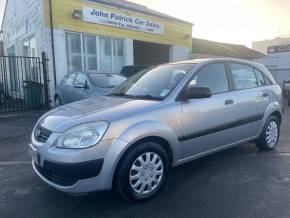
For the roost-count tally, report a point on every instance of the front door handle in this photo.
(229, 101)
(265, 95)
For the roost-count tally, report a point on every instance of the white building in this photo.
(277, 58)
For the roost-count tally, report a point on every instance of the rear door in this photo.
(251, 99)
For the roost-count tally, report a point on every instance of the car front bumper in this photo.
(78, 170)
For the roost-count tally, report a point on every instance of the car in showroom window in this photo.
(129, 139)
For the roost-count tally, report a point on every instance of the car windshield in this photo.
(106, 80)
(153, 84)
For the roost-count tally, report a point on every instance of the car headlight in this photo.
(83, 136)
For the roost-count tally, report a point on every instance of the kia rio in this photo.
(157, 119)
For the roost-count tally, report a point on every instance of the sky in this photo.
(232, 21)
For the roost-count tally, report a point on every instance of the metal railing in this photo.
(23, 83)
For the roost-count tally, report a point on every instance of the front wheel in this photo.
(270, 134)
(142, 172)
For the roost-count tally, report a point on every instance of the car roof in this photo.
(208, 60)
(100, 73)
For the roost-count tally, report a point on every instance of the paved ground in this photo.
(240, 182)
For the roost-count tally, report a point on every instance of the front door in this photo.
(80, 87)
(207, 122)
(66, 89)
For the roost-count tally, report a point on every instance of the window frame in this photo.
(232, 78)
(97, 37)
(265, 77)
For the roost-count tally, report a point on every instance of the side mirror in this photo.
(82, 86)
(79, 86)
(196, 93)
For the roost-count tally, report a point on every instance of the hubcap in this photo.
(146, 173)
(272, 134)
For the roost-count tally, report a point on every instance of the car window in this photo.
(80, 80)
(155, 83)
(106, 80)
(260, 78)
(69, 79)
(243, 76)
(213, 77)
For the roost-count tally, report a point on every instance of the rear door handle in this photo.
(229, 101)
(265, 95)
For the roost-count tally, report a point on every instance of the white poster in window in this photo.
(100, 16)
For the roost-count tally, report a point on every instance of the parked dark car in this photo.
(2, 95)
(286, 87)
(128, 71)
(78, 86)
(286, 90)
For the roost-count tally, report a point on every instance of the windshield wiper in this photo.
(146, 97)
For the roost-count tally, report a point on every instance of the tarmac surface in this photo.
(239, 182)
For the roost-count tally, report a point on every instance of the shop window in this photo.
(105, 54)
(74, 52)
(90, 53)
(118, 45)
(29, 47)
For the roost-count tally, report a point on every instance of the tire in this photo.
(147, 174)
(270, 134)
(57, 101)
(284, 93)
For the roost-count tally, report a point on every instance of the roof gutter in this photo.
(52, 41)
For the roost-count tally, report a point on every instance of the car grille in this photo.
(41, 134)
(54, 178)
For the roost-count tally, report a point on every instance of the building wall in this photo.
(179, 53)
(277, 63)
(262, 46)
(24, 19)
(176, 33)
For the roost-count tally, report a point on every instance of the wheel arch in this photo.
(278, 115)
(158, 139)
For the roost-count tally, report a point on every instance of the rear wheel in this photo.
(270, 134)
(142, 172)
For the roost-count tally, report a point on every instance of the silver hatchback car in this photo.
(157, 119)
